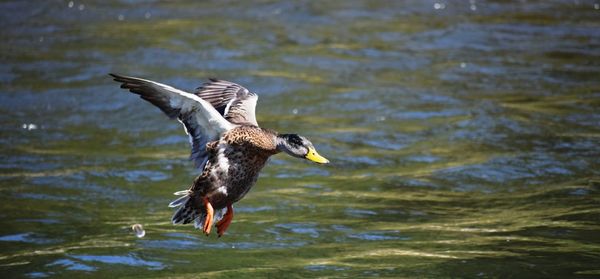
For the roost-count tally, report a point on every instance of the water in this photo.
(464, 138)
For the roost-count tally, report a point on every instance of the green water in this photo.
(464, 138)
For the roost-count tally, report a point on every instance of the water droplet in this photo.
(473, 7)
(295, 111)
(147, 15)
(29, 126)
(439, 6)
(463, 64)
(41, 39)
(138, 230)
(81, 7)
(71, 4)
(121, 17)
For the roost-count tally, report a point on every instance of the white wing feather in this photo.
(202, 122)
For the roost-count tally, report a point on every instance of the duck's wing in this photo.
(236, 103)
(201, 121)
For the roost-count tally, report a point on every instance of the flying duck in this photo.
(228, 146)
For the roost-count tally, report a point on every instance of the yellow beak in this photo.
(315, 157)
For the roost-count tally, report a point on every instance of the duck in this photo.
(228, 147)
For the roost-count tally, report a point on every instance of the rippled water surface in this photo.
(464, 138)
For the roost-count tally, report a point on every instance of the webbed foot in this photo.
(208, 221)
(223, 224)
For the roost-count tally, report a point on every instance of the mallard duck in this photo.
(228, 146)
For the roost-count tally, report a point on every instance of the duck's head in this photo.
(300, 147)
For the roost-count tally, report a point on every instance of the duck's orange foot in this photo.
(208, 221)
(224, 223)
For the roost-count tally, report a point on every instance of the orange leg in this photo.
(224, 223)
(208, 222)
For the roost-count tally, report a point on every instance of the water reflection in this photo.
(27, 238)
(463, 136)
(125, 260)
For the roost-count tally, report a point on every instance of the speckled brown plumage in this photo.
(247, 149)
(227, 178)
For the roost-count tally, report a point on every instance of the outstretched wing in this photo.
(236, 103)
(201, 121)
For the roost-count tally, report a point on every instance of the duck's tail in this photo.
(186, 213)
(189, 212)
